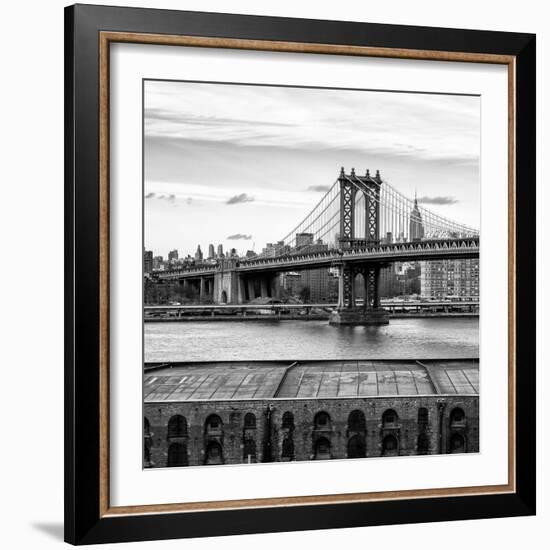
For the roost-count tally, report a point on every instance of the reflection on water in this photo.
(302, 340)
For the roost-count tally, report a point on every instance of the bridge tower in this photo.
(370, 312)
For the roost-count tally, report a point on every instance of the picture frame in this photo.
(90, 31)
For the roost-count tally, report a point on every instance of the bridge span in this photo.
(368, 224)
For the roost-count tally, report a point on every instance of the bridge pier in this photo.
(250, 285)
(347, 312)
(202, 290)
(275, 285)
(227, 288)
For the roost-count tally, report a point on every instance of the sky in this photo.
(241, 165)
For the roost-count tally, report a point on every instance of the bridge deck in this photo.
(322, 379)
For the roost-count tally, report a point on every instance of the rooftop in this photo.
(308, 380)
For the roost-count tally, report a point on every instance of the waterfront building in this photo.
(311, 285)
(274, 412)
(458, 279)
(317, 281)
(147, 261)
(291, 282)
(399, 279)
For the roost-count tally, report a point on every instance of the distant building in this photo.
(388, 239)
(250, 254)
(416, 227)
(388, 283)
(211, 253)
(291, 282)
(158, 262)
(147, 261)
(173, 255)
(311, 285)
(303, 239)
(220, 251)
(317, 280)
(272, 250)
(198, 254)
(450, 278)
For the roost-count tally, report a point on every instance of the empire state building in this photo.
(416, 227)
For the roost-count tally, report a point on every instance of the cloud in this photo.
(238, 237)
(437, 200)
(318, 188)
(237, 199)
(189, 200)
(177, 117)
(170, 198)
(430, 127)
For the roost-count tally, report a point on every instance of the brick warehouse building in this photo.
(232, 413)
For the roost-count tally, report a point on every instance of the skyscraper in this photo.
(157, 262)
(211, 253)
(198, 254)
(148, 261)
(303, 239)
(172, 255)
(416, 227)
(220, 251)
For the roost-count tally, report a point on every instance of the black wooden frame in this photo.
(83, 524)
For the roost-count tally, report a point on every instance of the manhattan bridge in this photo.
(361, 225)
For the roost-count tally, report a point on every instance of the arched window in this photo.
(322, 421)
(389, 446)
(213, 453)
(146, 427)
(389, 418)
(146, 441)
(357, 447)
(177, 454)
(458, 445)
(322, 449)
(288, 421)
(146, 453)
(249, 450)
(213, 425)
(356, 421)
(288, 449)
(423, 444)
(423, 418)
(177, 426)
(249, 421)
(457, 416)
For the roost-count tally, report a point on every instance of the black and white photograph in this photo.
(310, 273)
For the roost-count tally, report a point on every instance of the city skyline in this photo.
(336, 181)
(264, 171)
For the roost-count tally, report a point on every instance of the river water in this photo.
(428, 338)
